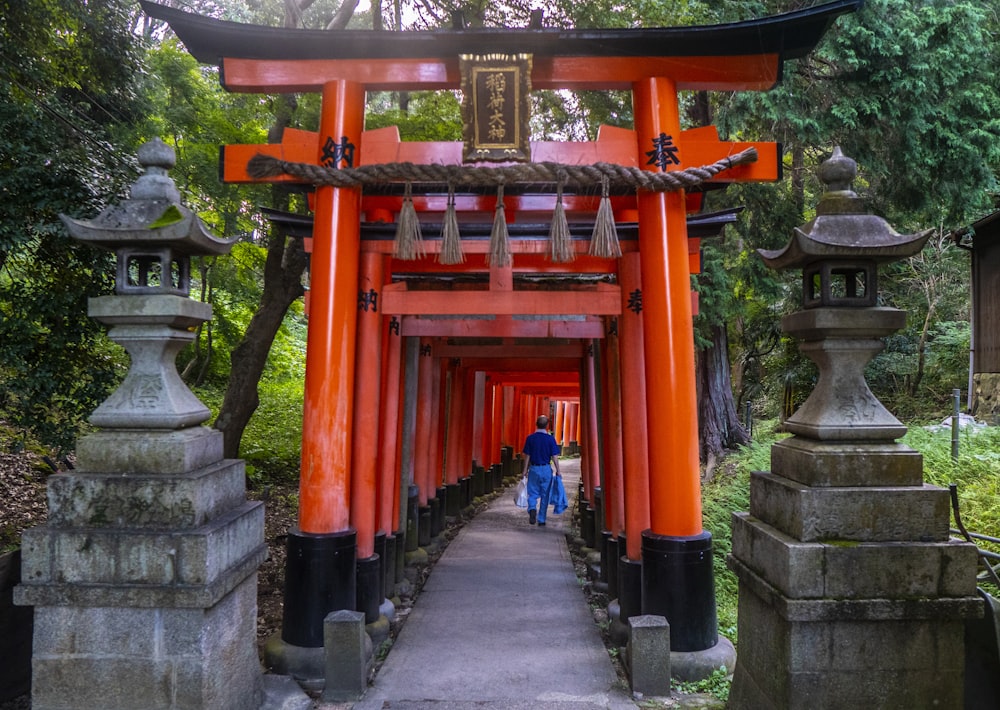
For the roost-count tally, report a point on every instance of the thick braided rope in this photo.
(573, 176)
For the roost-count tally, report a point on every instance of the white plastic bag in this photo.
(521, 493)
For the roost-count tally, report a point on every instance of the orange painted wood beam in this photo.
(527, 352)
(605, 299)
(416, 325)
(698, 147)
(755, 72)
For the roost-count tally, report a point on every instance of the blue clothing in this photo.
(540, 447)
(557, 496)
(539, 487)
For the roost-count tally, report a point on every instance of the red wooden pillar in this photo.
(558, 428)
(470, 413)
(510, 418)
(367, 395)
(320, 572)
(591, 438)
(635, 444)
(439, 414)
(614, 500)
(391, 383)
(454, 458)
(496, 440)
(677, 579)
(422, 444)
(324, 487)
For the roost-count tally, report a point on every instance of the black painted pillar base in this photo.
(424, 525)
(507, 461)
(465, 485)
(478, 481)
(453, 500)
(437, 516)
(587, 528)
(678, 583)
(602, 542)
(380, 552)
(629, 588)
(611, 546)
(369, 572)
(402, 545)
(320, 577)
(412, 519)
(389, 567)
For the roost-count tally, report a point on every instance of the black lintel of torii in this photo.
(789, 35)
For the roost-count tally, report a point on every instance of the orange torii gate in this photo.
(363, 300)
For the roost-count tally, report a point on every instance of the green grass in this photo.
(976, 473)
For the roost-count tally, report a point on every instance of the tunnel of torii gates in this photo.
(474, 350)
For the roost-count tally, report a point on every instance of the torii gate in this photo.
(353, 361)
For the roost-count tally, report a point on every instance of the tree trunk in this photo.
(719, 425)
(286, 261)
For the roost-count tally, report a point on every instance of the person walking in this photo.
(539, 449)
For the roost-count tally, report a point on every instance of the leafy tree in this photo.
(896, 86)
(68, 104)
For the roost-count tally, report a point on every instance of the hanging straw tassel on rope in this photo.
(604, 241)
(451, 240)
(499, 254)
(409, 244)
(559, 237)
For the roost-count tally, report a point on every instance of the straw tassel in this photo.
(451, 240)
(559, 232)
(499, 237)
(604, 242)
(409, 244)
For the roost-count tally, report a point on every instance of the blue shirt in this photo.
(540, 447)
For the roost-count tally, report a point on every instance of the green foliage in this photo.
(717, 684)
(273, 439)
(430, 116)
(68, 100)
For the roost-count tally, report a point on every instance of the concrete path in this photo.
(501, 623)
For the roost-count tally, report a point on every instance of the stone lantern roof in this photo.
(843, 228)
(840, 248)
(153, 235)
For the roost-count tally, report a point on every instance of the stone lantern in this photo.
(151, 316)
(852, 593)
(840, 325)
(144, 579)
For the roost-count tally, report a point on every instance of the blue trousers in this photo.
(539, 486)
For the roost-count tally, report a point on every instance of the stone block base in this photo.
(104, 658)
(834, 664)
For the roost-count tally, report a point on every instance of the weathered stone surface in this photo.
(649, 655)
(121, 659)
(134, 557)
(344, 641)
(841, 341)
(893, 664)
(821, 463)
(148, 501)
(143, 451)
(883, 571)
(862, 514)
